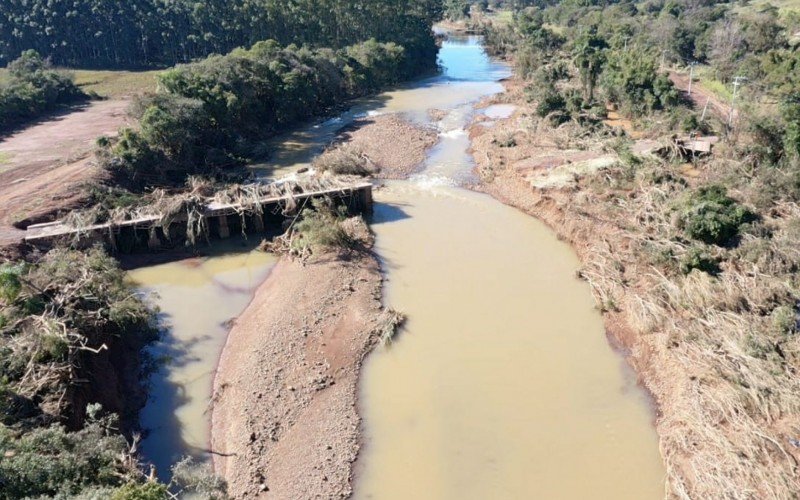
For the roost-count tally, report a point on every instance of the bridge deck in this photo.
(41, 233)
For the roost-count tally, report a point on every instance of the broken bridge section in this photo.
(214, 219)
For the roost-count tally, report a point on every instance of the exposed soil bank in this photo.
(45, 167)
(284, 419)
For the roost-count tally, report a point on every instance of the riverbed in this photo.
(502, 384)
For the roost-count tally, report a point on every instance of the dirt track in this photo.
(700, 96)
(43, 167)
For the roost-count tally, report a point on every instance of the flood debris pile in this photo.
(323, 226)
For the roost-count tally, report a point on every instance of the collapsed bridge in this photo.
(183, 220)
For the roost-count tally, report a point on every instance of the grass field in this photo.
(115, 84)
(706, 77)
(108, 83)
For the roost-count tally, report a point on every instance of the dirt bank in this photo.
(727, 409)
(44, 167)
(393, 146)
(284, 420)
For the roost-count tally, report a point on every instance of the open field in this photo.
(115, 84)
(109, 84)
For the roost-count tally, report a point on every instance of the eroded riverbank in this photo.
(723, 411)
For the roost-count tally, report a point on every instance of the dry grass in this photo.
(725, 378)
(345, 160)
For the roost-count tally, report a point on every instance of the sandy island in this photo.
(284, 418)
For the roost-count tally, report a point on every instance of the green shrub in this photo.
(699, 258)
(140, 491)
(33, 89)
(50, 461)
(551, 102)
(631, 80)
(784, 320)
(711, 216)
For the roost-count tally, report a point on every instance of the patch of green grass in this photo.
(107, 83)
(706, 77)
(503, 17)
(115, 84)
(717, 88)
(5, 158)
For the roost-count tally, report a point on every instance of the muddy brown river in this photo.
(502, 383)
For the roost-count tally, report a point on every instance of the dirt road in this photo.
(700, 96)
(44, 167)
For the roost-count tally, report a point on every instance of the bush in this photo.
(50, 461)
(699, 258)
(711, 216)
(551, 102)
(32, 90)
(630, 80)
(344, 161)
(785, 320)
(320, 227)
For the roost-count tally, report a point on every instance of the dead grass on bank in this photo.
(720, 353)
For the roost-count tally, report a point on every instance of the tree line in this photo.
(215, 113)
(109, 33)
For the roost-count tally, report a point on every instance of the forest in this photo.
(138, 33)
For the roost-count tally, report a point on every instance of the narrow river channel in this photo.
(501, 385)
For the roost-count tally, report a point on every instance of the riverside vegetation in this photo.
(72, 328)
(695, 254)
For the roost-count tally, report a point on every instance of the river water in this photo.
(502, 383)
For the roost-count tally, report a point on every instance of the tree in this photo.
(589, 56)
(631, 80)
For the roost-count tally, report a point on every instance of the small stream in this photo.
(502, 384)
